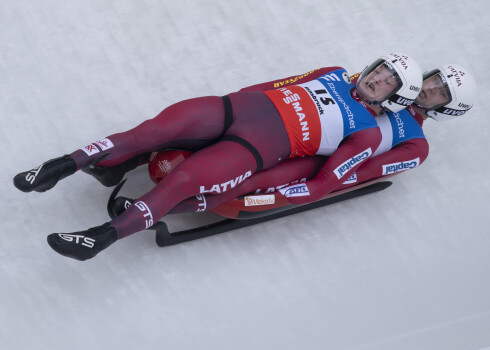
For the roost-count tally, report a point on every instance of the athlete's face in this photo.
(433, 93)
(378, 84)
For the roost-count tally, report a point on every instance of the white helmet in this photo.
(408, 78)
(459, 90)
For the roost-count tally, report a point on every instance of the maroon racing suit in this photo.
(303, 169)
(236, 136)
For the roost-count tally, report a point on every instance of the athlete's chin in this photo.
(421, 102)
(366, 94)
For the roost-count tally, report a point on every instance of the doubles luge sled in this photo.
(116, 205)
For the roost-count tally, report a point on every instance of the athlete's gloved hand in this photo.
(45, 176)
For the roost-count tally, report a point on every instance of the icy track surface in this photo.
(408, 268)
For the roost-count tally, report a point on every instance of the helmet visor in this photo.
(435, 91)
(380, 81)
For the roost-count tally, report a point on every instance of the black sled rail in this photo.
(165, 238)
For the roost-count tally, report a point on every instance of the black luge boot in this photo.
(45, 176)
(83, 245)
(119, 205)
(111, 176)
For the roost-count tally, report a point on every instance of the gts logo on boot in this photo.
(32, 174)
(78, 239)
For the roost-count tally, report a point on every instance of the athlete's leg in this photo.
(191, 124)
(215, 169)
(285, 173)
(187, 124)
(256, 140)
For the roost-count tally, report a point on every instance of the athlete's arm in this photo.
(353, 152)
(294, 80)
(405, 156)
(401, 158)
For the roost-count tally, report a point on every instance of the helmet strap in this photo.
(372, 102)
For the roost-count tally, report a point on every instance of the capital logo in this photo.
(78, 239)
(401, 166)
(343, 168)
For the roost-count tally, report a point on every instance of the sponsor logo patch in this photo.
(90, 149)
(343, 168)
(401, 166)
(105, 144)
(351, 180)
(346, 77)
(299, 190)
(251, 201)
